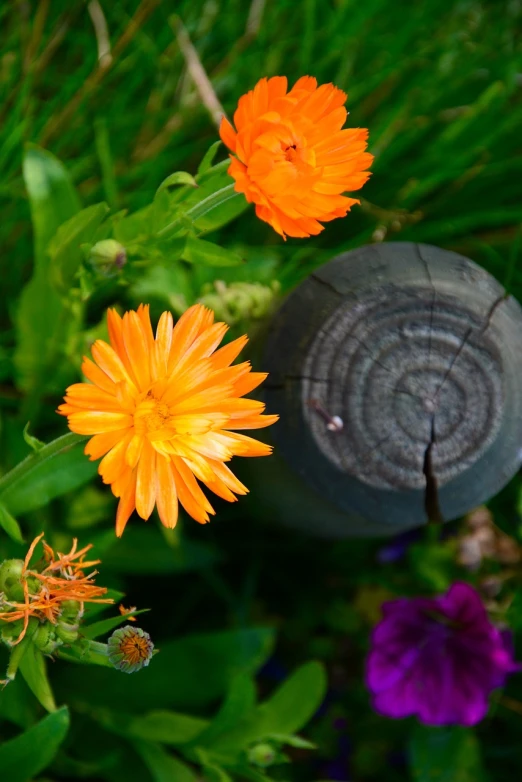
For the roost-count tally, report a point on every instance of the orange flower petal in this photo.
(283, 142)
(160, 408)
(145, 481)
(166, 493)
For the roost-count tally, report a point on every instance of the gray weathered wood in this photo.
(419, 352)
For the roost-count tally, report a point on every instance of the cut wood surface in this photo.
(397, 372)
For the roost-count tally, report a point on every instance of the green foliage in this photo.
(445, 755)
(92, 151)
(24, 757)
(34, 671)
(53, 470)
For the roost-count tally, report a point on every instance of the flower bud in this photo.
(262, 755)
(108, 257)
(11, 579)
(130, 648)
(45, 638)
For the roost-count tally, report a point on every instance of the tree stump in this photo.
(397, 372)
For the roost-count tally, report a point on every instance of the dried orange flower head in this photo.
(160, 409)
(292, 157)
(57, 589)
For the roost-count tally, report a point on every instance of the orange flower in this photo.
(292, 158)
(161, 410)
(45, 592)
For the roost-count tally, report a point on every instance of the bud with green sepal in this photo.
(108, 257)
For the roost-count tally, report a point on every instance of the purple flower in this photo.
(437, 658)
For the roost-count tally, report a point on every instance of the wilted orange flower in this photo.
(292, 158)
(161, 410)
(44, 592)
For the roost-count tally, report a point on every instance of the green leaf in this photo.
(107, 625)
(240, 701)
(57, 468)
(33, 442)
(163, 766)
(188, 673)
(167, 727)
(43, 323)
(445, 755)
(208, 158)
(177, 178)
(25, 756)
(288, 710)
(143, 550)
(64, 248)
(291, 741)
(52, 197)
(33, 669)
(10, 525)
(209, 254)
(297, 700)
(215, 773)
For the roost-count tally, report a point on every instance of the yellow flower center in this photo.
(151, 415)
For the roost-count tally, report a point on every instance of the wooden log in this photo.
(397, 372)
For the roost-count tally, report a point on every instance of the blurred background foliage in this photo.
(104, 87)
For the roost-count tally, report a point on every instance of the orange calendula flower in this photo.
(45, 593)
(292, 157)
(160, 410)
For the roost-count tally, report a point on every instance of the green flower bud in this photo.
(10, 631)
(108, 257)
(11, 579)
(45, 638)
(262, 755)
(71, 611)
(67, 633)
(130, 648)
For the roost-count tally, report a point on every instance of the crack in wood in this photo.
(431, 492)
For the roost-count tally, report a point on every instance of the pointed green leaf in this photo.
(57, 468)
(201, 251)
(286, 712)
(208, 158)
(240, 701)
(52, 197)
(64, 248)
(105, 626)
(177, 178)
(33, 669)
(10, 525)
(163, 766)
(33, 442)
(43, 323)
(296, 700)
(291, 741)
(25, 756)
